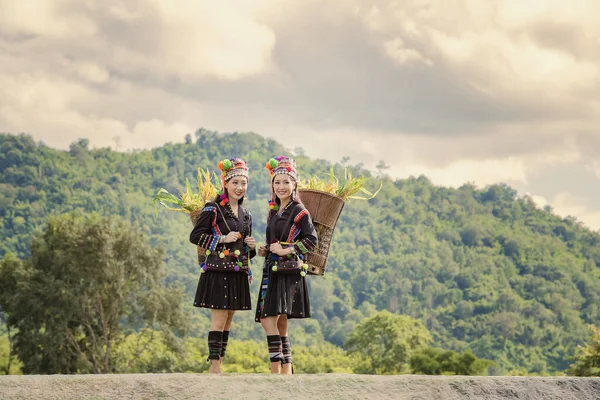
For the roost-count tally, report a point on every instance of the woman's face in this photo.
(236, 187)
(283, 186)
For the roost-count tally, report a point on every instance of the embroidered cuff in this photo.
(300, 248)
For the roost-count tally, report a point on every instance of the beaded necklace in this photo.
(282, 210)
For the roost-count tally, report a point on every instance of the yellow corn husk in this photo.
(346, 188)
(189, 201)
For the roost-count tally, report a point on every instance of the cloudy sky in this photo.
(459, 90)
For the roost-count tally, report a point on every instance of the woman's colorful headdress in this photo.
(282, 165)
(277, 166)
(230, 168)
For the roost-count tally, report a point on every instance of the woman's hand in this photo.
(251, 242)
(276, 248)
(262, 251)
(232, 237)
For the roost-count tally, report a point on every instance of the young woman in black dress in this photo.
(224, 230)
(290, 231)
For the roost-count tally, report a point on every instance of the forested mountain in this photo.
(482, 268)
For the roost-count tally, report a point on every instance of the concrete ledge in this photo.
(326, 386)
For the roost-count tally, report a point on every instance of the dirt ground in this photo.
(327, 386)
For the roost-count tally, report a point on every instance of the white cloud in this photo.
(397, 50)
(492, 46)
(53, 19)
(93, 73)
(484, 172)
(207, 37)
(463, 90)
(567, 204)
(188, 40)
(540, 201)
(61, 123)
(405, 154)
(154, 133)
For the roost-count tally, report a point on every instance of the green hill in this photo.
(482, 268)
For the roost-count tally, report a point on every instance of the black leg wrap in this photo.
(224, 345)
(286, 349)
(274, 342)
(215, 345)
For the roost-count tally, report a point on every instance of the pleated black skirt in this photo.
(223, 290)
(285, 294)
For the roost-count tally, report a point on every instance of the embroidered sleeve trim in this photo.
(300, 215)
(300, 246)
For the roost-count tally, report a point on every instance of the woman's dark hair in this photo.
(217, 199)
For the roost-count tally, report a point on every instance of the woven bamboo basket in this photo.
(201, 250)
(325, 209)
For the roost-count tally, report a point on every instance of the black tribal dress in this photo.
(286, 293)
(220, 289)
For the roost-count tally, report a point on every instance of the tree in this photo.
(322, 358)
(87, 281)
(381, 167)
(8, 362)
(385, 342)
(432, 361)
(587, 359)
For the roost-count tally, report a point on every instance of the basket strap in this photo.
(223, 216)
(286, 224)
(241, 217)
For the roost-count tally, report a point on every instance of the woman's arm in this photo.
(307, 238)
